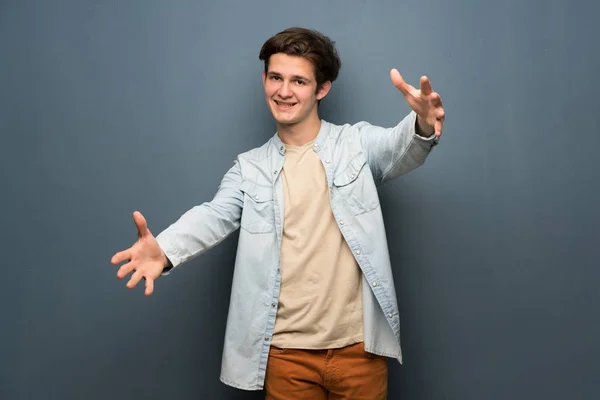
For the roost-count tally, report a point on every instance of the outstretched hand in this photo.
(426, 103)
(145, 257)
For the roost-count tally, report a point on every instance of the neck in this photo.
(300, 133)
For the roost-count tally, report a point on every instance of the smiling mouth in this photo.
(284, 105)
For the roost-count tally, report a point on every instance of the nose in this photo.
(285, 91)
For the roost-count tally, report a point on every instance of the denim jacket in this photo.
(357, 158)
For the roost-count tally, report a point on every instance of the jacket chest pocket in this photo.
(356, 186)
(258, 214)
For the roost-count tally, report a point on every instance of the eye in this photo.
(300, 82)
(274, 78)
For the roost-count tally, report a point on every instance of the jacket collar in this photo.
(319, 142)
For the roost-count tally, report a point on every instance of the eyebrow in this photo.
(273, 73)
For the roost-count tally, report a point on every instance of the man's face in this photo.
(291, 88)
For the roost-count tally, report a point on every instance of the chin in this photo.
(286, 121)
(282, 118)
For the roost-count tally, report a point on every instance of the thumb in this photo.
(141, 224)
(398, 81)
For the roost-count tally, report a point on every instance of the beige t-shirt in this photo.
(320, 302)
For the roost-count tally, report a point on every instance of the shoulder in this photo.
(347, 131)
(257, 161)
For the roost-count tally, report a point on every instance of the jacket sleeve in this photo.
(392, 152)
(206, 225)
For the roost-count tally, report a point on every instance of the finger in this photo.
(149, 286)
(141, 224)
(398, 81)
(425, 86)
(135, 279)
(121, 256)
(439, 124)
(435, 99)
(125, 269)
(438, 127)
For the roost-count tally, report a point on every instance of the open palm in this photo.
(426, 103)
(145, 257)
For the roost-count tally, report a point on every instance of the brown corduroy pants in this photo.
(349, 373)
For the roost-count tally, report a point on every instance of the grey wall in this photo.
(107, 107)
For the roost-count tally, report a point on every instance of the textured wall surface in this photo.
(107, 107)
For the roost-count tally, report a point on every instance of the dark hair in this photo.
(307, 43)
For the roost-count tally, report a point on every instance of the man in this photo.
(313, 311)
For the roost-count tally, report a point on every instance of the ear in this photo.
(264, 77)
(324, 90)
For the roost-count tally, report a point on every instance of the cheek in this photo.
(270, 89)
(306, 95)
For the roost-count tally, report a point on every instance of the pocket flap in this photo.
(258, 193)
(351, 172)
